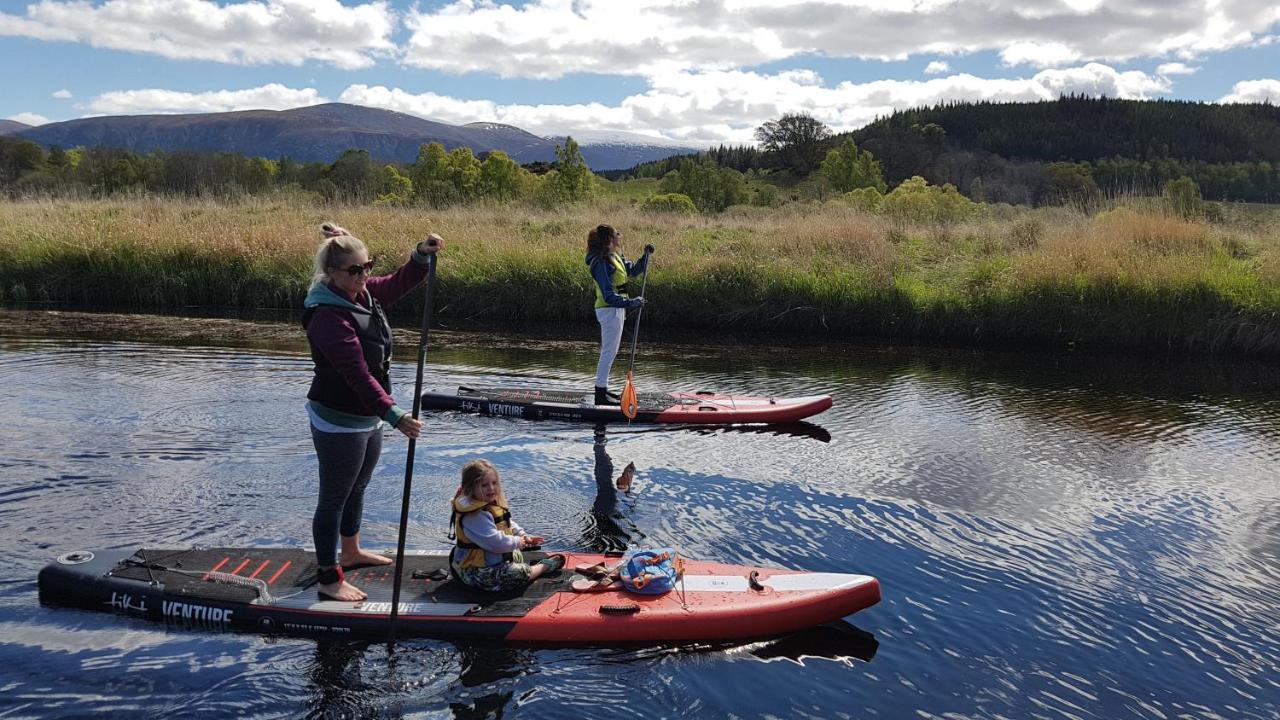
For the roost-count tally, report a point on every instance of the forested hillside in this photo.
(1081, 128)
(1050, 152)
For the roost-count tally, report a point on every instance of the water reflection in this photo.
(832, 641)
(490, 668)
(607, 528)
(337, 679)
(1057, 537)
(800, 429)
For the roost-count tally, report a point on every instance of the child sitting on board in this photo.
(488, 542)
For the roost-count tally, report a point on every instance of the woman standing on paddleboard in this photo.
(611, 272)
(350, 396)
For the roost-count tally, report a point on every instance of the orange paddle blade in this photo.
(629, 404)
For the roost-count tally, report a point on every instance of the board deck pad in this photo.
(290, 572)
(645, 401)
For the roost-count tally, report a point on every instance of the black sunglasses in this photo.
(358, 269)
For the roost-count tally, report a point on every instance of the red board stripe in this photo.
(215, 568)
(240, 567)
(280, 572)
(261, 567)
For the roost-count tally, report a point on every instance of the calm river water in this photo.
(1056, 536)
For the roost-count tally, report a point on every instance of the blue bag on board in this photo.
(650, 572)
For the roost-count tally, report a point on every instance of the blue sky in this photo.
(697, 72)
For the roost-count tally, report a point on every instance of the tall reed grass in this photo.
(1129, 277)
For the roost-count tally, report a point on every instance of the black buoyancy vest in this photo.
(374, 333)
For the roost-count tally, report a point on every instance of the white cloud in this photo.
(1096, 79)
(162, 102)
(63, 94)
(553, 38)
(1042, 55)
(29, 118)
(1254, 91)
(1176, 68)
(248, 32)
(706, 108)
(937, 67)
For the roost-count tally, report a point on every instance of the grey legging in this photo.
(346, 463)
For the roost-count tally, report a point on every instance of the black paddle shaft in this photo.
(635, 329)
(413, 443)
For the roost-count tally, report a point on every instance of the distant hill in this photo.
(11, 126)
(317, 133)
(320, 133)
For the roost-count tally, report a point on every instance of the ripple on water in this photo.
(1050, 541)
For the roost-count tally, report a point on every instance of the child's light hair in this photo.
(473, 473)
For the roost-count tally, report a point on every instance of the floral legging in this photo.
(496, 578)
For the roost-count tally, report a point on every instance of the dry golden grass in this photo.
(820, 268)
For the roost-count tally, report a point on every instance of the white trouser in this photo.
(611, 320)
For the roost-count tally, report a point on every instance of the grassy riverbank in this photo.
(1058, 277)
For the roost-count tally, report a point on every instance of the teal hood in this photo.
(321, 294)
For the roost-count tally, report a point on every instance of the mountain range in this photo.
(320, 133)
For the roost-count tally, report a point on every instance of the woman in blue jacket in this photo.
(612, 273)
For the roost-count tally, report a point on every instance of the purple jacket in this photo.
(335, 341)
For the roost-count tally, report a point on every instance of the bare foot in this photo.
(344, 591)
(363, 558)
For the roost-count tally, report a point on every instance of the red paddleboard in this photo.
(692, 407)
(272, 590)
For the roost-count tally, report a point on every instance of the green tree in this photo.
(571, 179)
(430, 174)
(669, 203)
(767, 196)
(58, 161)
(500, 177)
(397, 188)
(848, 168)
(355, 176)
(795, 139)
(710, 187)
(1182, 196)
(259, 174)
(918, 201)
(866, 199)
(288, 170)
(18, 156)
(464, 172)
(1071, 182)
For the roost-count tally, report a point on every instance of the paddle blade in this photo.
(629, 404)
(624, 480)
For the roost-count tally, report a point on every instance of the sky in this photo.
(700, 72)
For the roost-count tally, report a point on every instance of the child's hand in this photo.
(533, 540)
